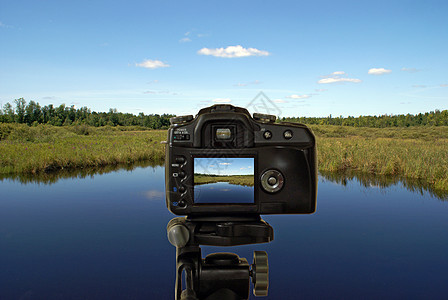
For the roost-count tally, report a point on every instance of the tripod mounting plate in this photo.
(218, 233)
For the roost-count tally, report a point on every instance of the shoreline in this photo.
(418, 153)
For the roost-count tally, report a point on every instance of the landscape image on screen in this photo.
(223, 180)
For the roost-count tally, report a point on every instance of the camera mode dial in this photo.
(272, 181)
(264, 118)
(181, 119)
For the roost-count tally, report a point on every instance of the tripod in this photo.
(219, 275)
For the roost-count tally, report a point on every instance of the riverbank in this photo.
(46, 148)
(418, 153)
(244, 180)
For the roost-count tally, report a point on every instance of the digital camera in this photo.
(223, 162)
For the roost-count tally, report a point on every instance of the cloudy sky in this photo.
(310, 58)
(224, 166)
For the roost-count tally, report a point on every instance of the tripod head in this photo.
(219, 275)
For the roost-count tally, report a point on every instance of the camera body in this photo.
(223, 162)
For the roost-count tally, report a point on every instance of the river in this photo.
(102, 235)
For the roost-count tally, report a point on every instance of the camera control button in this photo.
(181, 119)
(175, 174)
(264, 117)
(180, 159)
(182, 189)
(287, 134)
(182, 203)
(272, 180)
(267, 135)
(182, 174)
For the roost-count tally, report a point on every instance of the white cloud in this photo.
(225, 164)
(334, 74)
(152, 64)
(248, 83)
(185, 40)
(5, 25)
(221, 100)
(279, 101)
(233, 51)
(298, 96)
(419, 86)
(338, 79)
(154, 194)
(410, 70)
(379, 71)
(160, 92)
(321, 90)
(444, 85)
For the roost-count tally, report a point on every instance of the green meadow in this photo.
(413, 153)
(46, 148)
(244, 180)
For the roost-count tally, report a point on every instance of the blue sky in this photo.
(224, 166)
(310, 58)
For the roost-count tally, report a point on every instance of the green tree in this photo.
(20, 110)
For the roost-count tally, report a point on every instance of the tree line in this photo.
(433, 118)
(33, 113)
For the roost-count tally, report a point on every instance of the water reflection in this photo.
(343, 178)
(368, 180)
(104, 237)
(53, 177)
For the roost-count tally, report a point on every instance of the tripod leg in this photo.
(188, 260)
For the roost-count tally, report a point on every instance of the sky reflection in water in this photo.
(104, 237)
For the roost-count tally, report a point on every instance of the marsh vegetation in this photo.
(46, 148)
(243, 180)
(417, 154)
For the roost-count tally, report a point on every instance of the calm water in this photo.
(223, 192)
(104, 237)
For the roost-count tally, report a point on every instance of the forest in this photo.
(33, 113)
(433, 118)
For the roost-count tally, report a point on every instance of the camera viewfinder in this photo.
(223, 134)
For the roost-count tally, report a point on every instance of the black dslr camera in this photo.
(223, 169)
(224, 162)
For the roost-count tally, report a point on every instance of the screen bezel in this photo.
(255, 174)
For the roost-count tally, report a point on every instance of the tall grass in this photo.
(419, 153)
(47, 148)
(244, 180)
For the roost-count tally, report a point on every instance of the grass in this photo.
(417, 154)
(47, 148)
(244, 180)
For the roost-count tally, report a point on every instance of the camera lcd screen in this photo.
(224, 180)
